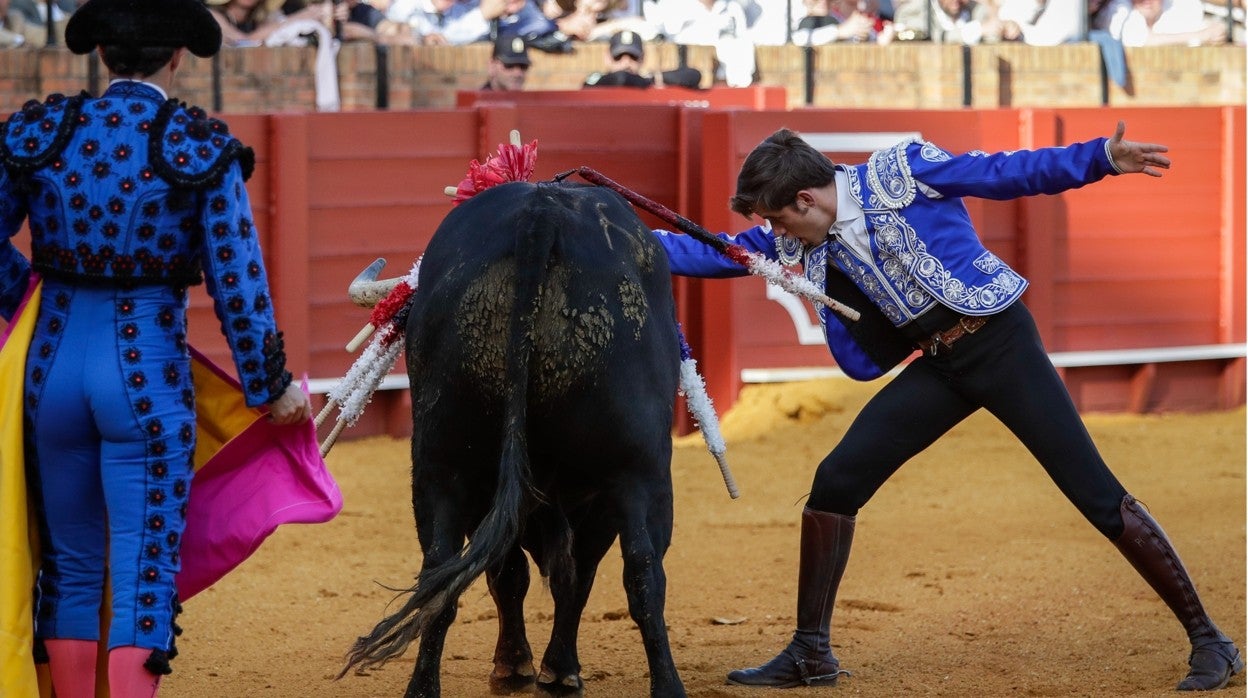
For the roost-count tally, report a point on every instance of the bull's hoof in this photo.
(559, 687)
(506, 680)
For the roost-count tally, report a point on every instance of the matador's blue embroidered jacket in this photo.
(131, 188)
(924, 249)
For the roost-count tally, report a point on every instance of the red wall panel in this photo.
(1131, 262)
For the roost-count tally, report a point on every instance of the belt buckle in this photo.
(936, 342)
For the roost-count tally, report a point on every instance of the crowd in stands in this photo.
(733, 27)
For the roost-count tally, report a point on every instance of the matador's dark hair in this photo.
(779, 167)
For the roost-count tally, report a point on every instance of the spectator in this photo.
(1053, 22)
(445, 22)
(1167, 22)
(509, 65)
(967, 22)
(525, 19)
(827, 21)
(718, 23)
(8, 37)
(352, 20)
(270, 23)
(29, 19)
(625, 55)
(595, 20)
(251, 22)
(767, 21)
(695, 22)
(458, 22)
(1218, 11)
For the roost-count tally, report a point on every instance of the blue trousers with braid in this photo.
(110, 436)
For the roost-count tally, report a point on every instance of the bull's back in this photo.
(602, 319)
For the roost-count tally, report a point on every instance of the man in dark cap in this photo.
(509, 65)
(130, 198)
(625, 54)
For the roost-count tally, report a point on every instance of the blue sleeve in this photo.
(14, 267)
(1009, 175)
(688, 256)
(235, 277)
(850, 356)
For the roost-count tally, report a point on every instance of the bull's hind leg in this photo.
(561, 665)
(426, 677)
(442, 533)
(644, 538)
(513, 658)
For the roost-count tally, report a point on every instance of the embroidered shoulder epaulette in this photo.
(191, 150)
(888, 173)
(36, 134)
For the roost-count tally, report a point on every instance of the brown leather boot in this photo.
(1214, 658)
(808, 660)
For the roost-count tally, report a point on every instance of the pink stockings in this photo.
(72, 666)
(127, 677)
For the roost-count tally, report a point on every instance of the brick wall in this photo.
(914, 76)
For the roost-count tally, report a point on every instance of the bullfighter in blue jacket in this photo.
(892, 239)
(130, 198)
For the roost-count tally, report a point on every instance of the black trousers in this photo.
(1002, 368)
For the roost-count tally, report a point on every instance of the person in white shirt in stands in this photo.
(443, 22)
(966, 22)
(718, 23)
(1167, 22)
(1054, 22)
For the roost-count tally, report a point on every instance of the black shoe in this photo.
(1212, 666)
(790, 669)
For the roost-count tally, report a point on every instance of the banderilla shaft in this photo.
(666, 214)
(695, 231)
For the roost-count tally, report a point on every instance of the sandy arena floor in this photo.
(1010, 594)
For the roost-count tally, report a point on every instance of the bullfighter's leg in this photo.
(513, 658)
(561, 664)
(644, 539)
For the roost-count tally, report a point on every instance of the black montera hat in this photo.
(511, 50)
(626, 42)
(171, 23)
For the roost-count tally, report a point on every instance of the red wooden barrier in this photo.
(1132, 263)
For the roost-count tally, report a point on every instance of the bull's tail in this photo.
(438, 588)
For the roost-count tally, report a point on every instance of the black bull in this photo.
(543, 356)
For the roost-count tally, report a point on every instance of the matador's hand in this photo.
(1130, 156)
(292, 407)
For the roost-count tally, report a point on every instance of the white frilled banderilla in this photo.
(390, 298)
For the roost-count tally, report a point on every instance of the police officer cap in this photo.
(626, 42)
(511, 50)
(154, 23)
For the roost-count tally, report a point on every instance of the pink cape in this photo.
(261, 477)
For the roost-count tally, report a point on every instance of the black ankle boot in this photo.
(1214, 658)
(808, 660)
(796, 665)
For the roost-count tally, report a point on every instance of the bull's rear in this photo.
(543, 357)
